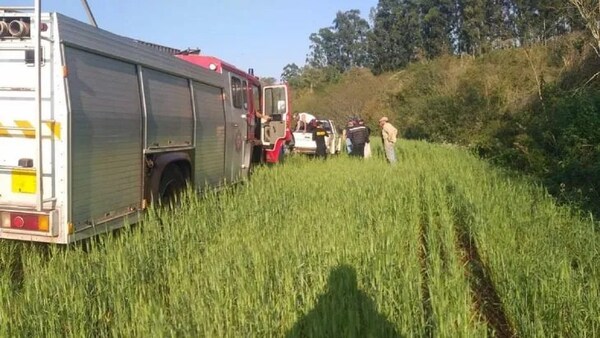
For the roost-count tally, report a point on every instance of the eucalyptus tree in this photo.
(436, 26)
(343, 45)
(395, 39)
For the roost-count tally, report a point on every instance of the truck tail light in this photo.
(25, 221)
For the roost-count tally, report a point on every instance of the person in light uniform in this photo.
(303, 120)
(388, 136)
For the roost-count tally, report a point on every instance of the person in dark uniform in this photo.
(318, 136)
(359, 136)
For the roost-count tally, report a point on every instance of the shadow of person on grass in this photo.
(343, 311)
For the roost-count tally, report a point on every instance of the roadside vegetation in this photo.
(514, 81)
(444, 244)
(535, 110)
(357, 248)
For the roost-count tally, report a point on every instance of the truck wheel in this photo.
(172, 183)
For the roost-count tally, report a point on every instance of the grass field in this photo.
(440, 245)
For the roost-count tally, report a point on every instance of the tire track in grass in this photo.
(428, 319)
(487, 301)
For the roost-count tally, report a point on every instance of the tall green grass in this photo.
(544, 257)
(451, 298)
(319, 248)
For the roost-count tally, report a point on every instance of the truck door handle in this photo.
(235, 125)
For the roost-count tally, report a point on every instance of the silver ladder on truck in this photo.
(36, 89)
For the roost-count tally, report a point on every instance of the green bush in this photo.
(567, 129)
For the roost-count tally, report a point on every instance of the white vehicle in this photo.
(304, 144)
(94, 126)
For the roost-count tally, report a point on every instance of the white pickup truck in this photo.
(304, 144)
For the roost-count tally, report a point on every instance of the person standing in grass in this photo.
(388, 135)
(318, 135)
(367, 151)
(346, 138)
(358, 135)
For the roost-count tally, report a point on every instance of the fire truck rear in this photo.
(95, 126)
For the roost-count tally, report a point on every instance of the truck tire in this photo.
(172, 183)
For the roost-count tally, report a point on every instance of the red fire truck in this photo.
(95, 126)
(270, 137)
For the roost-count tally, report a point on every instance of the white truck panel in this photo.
(17, 109)
(18, 117)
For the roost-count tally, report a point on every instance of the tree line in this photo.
(399, 32)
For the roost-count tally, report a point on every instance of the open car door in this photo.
(276, 104)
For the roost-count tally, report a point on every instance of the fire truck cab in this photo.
(270, 137)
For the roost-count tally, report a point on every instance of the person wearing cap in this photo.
(388, 135)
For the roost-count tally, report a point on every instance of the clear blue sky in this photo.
(262, 34)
